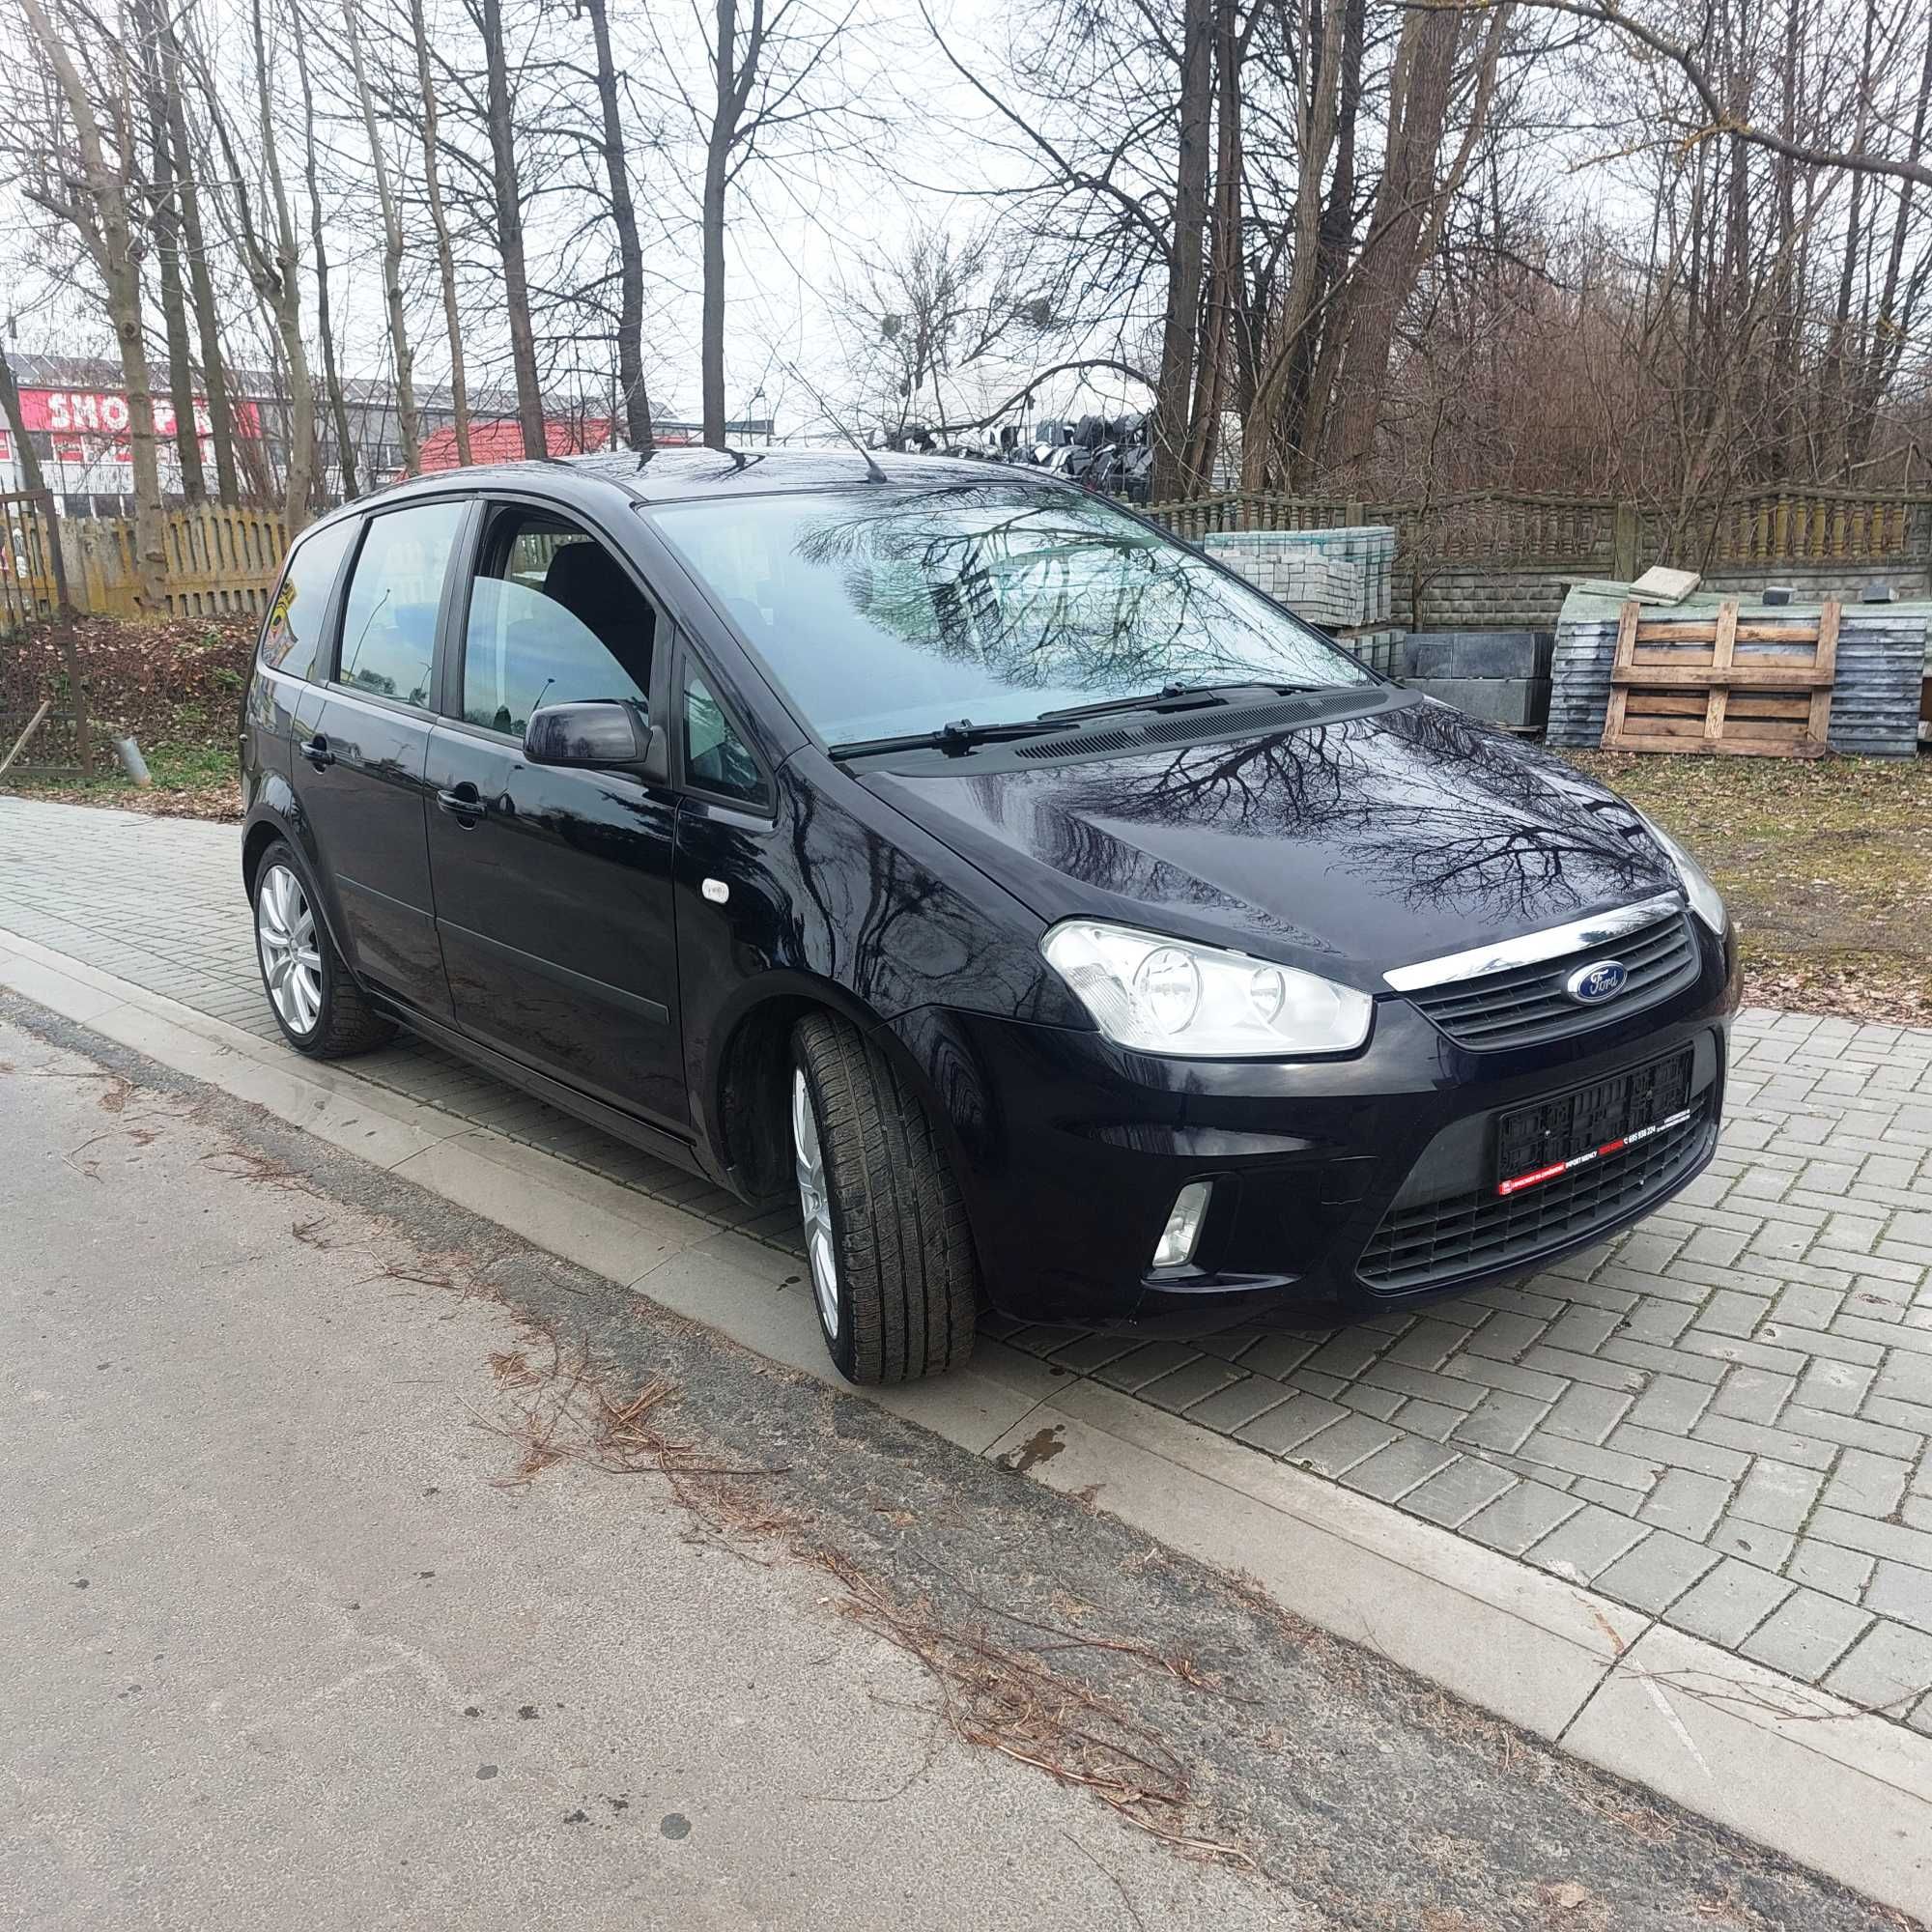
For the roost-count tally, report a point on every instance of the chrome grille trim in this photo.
(1580, 935)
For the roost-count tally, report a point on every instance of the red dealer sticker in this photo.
(1536, 1175)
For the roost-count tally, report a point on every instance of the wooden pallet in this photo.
(1678, 684)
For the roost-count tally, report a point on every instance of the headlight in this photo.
(1706, 901)
(1165, 996)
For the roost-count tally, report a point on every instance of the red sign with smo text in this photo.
(69, 412)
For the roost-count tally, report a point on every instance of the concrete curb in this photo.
(1845, 1792)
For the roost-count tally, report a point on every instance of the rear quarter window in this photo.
(293, 628)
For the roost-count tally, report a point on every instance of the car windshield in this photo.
(892, 611)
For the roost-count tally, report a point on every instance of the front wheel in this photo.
(893, 1274)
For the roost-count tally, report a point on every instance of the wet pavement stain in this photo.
(674, 1825)
(1040, 1447)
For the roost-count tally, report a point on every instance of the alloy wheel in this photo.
(291, 959)
(814, 1204)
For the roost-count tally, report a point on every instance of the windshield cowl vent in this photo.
(1238, 718)
(1080, 743)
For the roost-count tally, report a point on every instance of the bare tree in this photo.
(508, 209)
(332, 373)
(773, 71)
(272, 259)
(95, 198)
(187, 162)
(445, 256)
(636, 402)
(164, 220)
(402, 360)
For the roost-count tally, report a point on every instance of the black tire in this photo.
(908, 1281)
(344, 1022)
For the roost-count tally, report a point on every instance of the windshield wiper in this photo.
(1173, 696)
(956, 738)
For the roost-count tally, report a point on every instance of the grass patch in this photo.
(175, 683)
(1827, 866)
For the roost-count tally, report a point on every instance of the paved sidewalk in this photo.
(1721, 1418)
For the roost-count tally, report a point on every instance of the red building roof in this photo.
(501, 439)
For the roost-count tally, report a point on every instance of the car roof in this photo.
(682, 475)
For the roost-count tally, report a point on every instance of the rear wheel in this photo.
(319, 1008)
(893, 1275)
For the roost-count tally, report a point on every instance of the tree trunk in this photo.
(32, 476)
(1224, 259)
(510, 233)
(1419, 89)
(283, 288)
(102, 217)
(711, 222)
(1318, 109)
(1318, 354)
(1180, 329)
(1888, 333)
(201, 284)
(401, 354)
(446, 258)
(167, 224)
(331, 373)
(636, 401)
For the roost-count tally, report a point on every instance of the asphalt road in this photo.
(334, 1596)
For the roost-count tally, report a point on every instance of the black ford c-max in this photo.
(1053, 917)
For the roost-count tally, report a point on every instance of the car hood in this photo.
(1347, 847)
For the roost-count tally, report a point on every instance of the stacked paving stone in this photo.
(1883, 653)
(1343, 580)
(1349, 574)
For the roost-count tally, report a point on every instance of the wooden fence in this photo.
(224, 563)
(1598, 535)
(32, 584)
(220, 562)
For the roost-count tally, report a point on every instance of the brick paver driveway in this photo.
(1721, 1418)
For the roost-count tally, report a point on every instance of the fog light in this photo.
(1175, 1246)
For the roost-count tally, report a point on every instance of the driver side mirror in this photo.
(600, 734)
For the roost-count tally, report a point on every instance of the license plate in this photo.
(1540, 1144)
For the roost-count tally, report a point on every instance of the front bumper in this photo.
(1071, 1151)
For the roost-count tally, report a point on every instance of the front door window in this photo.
(553, 619)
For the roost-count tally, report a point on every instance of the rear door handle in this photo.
(461, 800)
(317, 752)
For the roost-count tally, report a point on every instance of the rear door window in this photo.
(388, 619)
(293, 628)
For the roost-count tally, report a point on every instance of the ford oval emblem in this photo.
(1601, 980)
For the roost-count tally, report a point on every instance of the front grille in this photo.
(1439, 1241)
(1526, 1005)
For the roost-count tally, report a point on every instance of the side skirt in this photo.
(683, 1154)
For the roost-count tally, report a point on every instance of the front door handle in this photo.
(462, 802)
(317, 752)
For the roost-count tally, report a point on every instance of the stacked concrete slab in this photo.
(1499, 675)
(1883, 654)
